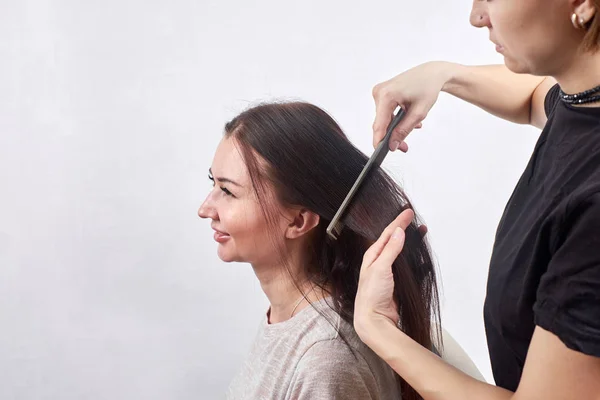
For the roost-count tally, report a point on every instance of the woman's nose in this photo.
(207, 208)
(479, 17)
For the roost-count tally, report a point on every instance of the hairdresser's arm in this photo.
(514, 97)
(552, 371)
(517, 98)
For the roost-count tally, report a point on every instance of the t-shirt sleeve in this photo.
(568, 298)
(329, 370)
(552, 99)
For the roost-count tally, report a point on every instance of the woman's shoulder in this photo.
(334, 358)
(338, 367)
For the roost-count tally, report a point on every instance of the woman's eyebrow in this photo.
(223, 179)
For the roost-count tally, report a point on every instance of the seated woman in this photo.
(280, 173)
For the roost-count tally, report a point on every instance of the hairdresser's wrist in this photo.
(370, 326)
(383, 337)
(450, 74)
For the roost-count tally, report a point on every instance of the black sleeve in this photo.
(568, 298)
(552, 99)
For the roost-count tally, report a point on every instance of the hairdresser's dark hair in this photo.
(311, 163)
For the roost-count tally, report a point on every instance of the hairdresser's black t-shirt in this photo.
(545, 266)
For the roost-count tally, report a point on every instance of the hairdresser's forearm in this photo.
(433, 378)
(495, 89)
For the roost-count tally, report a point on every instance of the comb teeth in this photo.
(335, 226)
(334, 230)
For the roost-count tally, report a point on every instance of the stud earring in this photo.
(578, 22)
(575, 21)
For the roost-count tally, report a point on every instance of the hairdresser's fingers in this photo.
(422, 230)
(394, 245)
(414, 116)
(403, 221)
(376, 248)
(373, 252)
(392, 249)
(385, 104)
(403, 147)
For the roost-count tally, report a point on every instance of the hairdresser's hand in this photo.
(416, 90)
(374, 303)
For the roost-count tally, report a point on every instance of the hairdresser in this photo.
(542, 309)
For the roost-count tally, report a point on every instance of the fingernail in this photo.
(396, 233)
(394, 146)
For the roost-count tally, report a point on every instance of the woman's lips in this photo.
(221, 237)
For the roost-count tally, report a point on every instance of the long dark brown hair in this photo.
(300, 151)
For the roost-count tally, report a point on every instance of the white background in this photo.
(110, 287)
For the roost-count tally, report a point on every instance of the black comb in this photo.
(335, 226)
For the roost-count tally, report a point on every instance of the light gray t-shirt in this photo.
(306, 358)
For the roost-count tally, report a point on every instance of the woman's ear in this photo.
(585, 10)
(303, 222)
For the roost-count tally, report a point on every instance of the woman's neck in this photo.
(284, 296)
(581, 74)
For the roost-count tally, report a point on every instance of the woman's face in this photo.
(241, 230)
(534, 36)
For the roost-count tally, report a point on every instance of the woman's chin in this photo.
(225, 255)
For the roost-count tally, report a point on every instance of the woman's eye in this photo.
(224, 189)
(227, 192)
